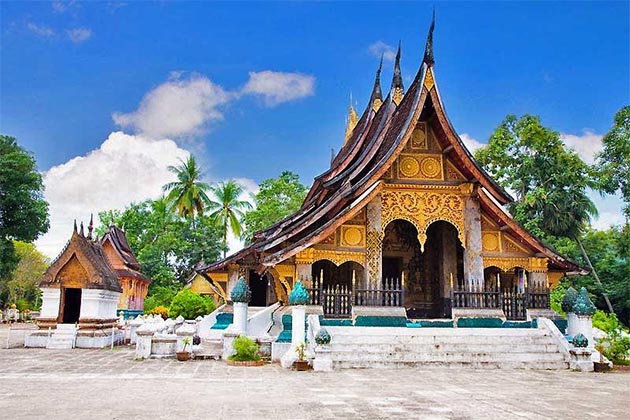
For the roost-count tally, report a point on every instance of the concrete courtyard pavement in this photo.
(109, 384)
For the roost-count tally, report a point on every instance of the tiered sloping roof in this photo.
(354, 177)
(93, 258)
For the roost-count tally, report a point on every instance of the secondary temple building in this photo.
(404, 217)
(87, 286)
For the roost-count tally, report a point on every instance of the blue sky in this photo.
(268, 85)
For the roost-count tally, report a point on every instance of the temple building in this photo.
(87, 287)
(403, 217)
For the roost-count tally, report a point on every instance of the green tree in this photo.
(25, 278)
(23, 210)
(276, 199)
(227, 209)
(550, 181)
(613, 163)
(190, 305)
(188, 193)
(167, 246)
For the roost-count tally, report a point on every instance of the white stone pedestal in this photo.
(298, 313)
(581, 360)
(228, 344)
(240, 318)
(322, 361)
(584, 325)
(572, 324)
(143, 343)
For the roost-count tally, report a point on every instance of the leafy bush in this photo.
(23, 305)
(605, 322)
(158, 296)
(617, 348)
(190, 305)
(246, 350)
(161, 311)
(556, 296)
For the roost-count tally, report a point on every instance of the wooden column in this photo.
(473, 259)
(374, 244)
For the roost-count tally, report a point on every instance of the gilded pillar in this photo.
(374, 244)
(473, 259)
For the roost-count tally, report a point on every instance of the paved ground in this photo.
(94, 384)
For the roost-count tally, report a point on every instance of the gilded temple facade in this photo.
(404, 213)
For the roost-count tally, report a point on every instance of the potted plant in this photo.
(246, 353)
(301, 364)
(184, 355)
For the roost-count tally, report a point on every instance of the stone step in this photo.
(440, 339)
(57, 344)
(445, 348)
(337, 356)
(538, 365)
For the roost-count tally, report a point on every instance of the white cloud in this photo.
(79, 35)
(471, 144)
(279, 87)
(40, 30)
(122, 170)
(380, 48)
(250, 188)
(609, 207)
(586, 145)
(180, 107)
(60, 6)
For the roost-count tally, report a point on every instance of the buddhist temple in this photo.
(88, 285)
(403, 217)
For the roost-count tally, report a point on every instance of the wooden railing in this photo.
(512, 301)
(475, 297)
(391, 293)
(337, 300)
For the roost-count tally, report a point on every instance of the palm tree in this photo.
(188, 193)
(568, 216)
(227, 209)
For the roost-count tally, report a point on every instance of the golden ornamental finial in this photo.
(353, 119)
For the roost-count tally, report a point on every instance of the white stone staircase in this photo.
(373, 347)
(63, 337)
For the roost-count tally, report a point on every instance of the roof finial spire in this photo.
(75, 226)
(91, 226)
(81, 231)
(376, 99)
(428, 50)
(397, 84)
(353, 119)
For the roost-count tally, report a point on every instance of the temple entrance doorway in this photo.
(71, 309)
(327, 274)
(427, 274)
(263, 293)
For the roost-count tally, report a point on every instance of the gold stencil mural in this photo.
(421, 208)
(353, 236)
(491, 241)
(420, 166)
(419, 137)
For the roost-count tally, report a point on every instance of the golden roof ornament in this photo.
(398, 90)
(353, 119)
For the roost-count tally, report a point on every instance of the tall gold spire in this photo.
(376, 99)
(398, 90)
(353, 119)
